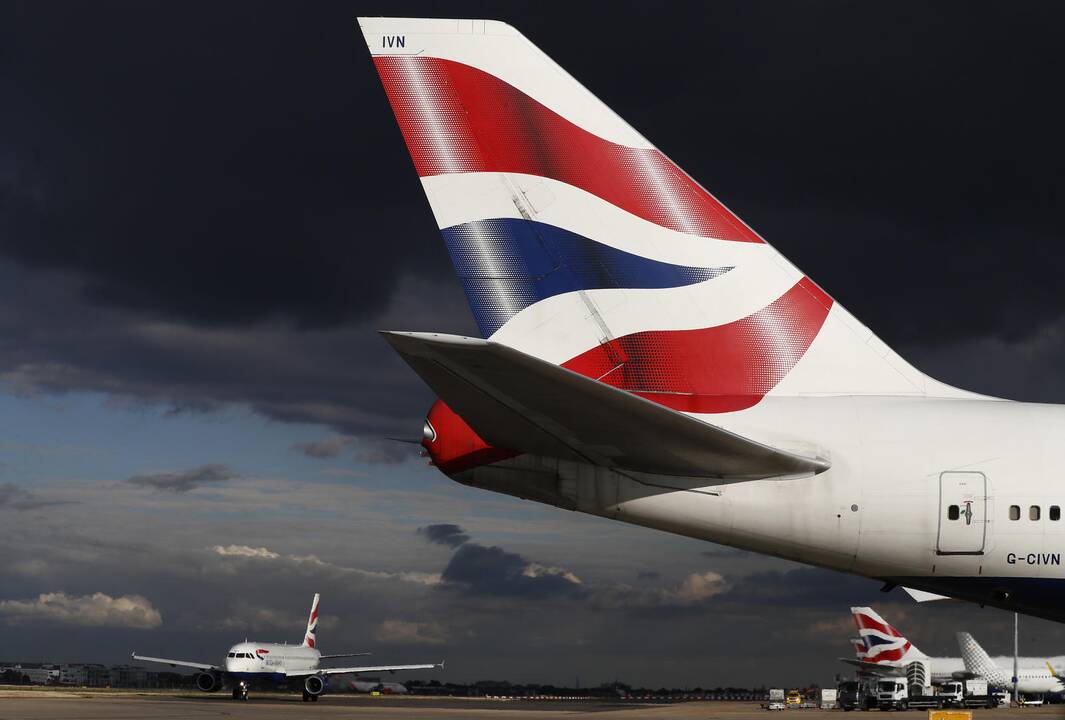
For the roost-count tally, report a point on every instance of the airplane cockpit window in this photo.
(1055, 512)
(1033, 512)
(953, 513)
(1015, 512)
(231, 655)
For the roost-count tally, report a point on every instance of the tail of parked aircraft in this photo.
(580, 243)
(884, 645)
(859, 648)
(310, 638)
(978, 662)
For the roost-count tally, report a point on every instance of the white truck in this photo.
(892, 694)
(828, 698)
(967, 694)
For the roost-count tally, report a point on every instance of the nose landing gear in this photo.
(240, 691)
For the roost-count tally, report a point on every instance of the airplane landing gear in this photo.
(240, 691)
(307, 697)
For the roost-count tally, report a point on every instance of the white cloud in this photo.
(245, 551)
(261, 553)
(537, 570)
(402, 631)
(96, 610)
(701, 586)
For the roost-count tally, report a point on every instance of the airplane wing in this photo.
(340, 655)
(176, 663)
(360, 669)
(516, 401)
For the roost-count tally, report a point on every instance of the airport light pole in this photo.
(1015, 653)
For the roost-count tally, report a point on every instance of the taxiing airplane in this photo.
(883, 650)
(648, 357)
(251, 663)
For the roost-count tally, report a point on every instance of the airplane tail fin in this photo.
(578, 242)
(884, 645)
(978, 662)
(859, 648)
(310, 638)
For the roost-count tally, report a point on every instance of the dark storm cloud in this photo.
(447, 534)
(479, 570)
(801, 587)
(196, 165)
(181, 482)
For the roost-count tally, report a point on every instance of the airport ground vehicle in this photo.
(892, 694)
(647, 357)
(275, 664)
(856, 694)
(972, 693)
(793, 698)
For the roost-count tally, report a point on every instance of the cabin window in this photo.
(1015, 512)
(1055, 513)
(953, 513)
(1033, 512)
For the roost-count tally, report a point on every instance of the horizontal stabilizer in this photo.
(870, 668)
(516, 401)
(923, 596)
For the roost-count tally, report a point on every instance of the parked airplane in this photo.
(648, 357)
(254, 663)
(883, 650)
(1034, 677)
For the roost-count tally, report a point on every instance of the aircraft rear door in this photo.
(962, 513)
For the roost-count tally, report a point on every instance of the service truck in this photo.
(891, 694)
(856, 695)
(968, 694)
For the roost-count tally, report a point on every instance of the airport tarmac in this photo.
(74, 705)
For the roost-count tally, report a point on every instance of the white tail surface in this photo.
(580, 243)
(310, 638)
(978, 662)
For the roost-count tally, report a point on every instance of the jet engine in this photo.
(208, 682)
(314, 685)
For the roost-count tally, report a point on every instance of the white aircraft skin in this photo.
(777, 422)
(257, 664)
(882, 649)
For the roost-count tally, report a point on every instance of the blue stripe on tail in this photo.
(506, 265)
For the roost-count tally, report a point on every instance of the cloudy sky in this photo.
(206, 212)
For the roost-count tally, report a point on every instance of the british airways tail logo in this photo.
(882, 643)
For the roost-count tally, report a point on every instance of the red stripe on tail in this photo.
(456, 118)
(717, 369)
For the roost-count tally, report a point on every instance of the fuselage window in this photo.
(1055, 512)
(953, 513)
(1033, 512)
(1015, 512)
(232, 655)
